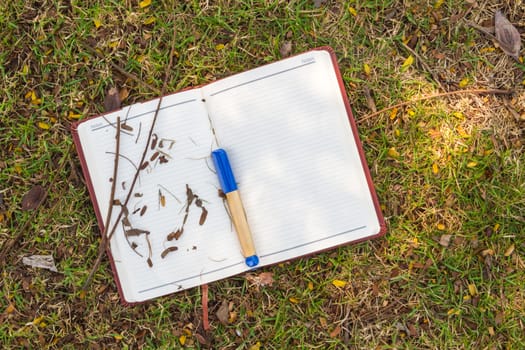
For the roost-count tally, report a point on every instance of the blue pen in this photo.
(229, 187)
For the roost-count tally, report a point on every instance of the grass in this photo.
(448, 171)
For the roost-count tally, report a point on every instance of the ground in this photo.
(447, 164)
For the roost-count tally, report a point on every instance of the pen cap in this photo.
(224, 170)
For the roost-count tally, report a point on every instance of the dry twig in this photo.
(104, 244)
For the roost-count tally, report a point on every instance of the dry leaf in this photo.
(509, 250)
(41, 261)
(261, 280)
(335, 332)
(286, 49)
(369, 99)
(339, 283)
(33, 198)
(123, 94)
(318, 3)
(112, 100)
(445, 240)
(223, 314)
(498, 319)
(507, 35)
(407, 63)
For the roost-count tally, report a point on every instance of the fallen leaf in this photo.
(182, 339)
(293, 300)
(369, 99)
(367, 69)
(498, 319)
(407, 63)
(223, 314)
(464, 82)
(149, 20)
(144, 3)
(32, 199)
(123, 94)
(412, 330)
(352, 11)
(335, 332)
(472, 289)
(339, 283)
(201, 339)
(445, 240)
(40, 261)
(509, 250)
(318, 3)
(112, 100)
(97, 23)
(10, 309)
(286, 49)
(261, 280)
(507, 35)
(393, 153)
(393, 113)
(255, 346)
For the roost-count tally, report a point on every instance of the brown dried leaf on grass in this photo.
(445, 240)
(223, 312)
(261, 280)
(507, 35)
(318, 3)
(40, 261)
(112, 100)
(32, 199)
(286, 49)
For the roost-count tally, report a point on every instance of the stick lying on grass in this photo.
(107, 234)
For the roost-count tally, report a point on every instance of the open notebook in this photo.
(294, 149)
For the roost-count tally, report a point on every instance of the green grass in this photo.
(444, 166)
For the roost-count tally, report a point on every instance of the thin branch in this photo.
(443, 94)
(104, 242)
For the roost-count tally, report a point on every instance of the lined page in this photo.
(179, 156)
(297, 165)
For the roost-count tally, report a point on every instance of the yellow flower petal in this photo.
(219, 47)
(97, 23)
(352, 11)
(472, 164)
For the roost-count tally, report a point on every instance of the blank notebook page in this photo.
(291, 147)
